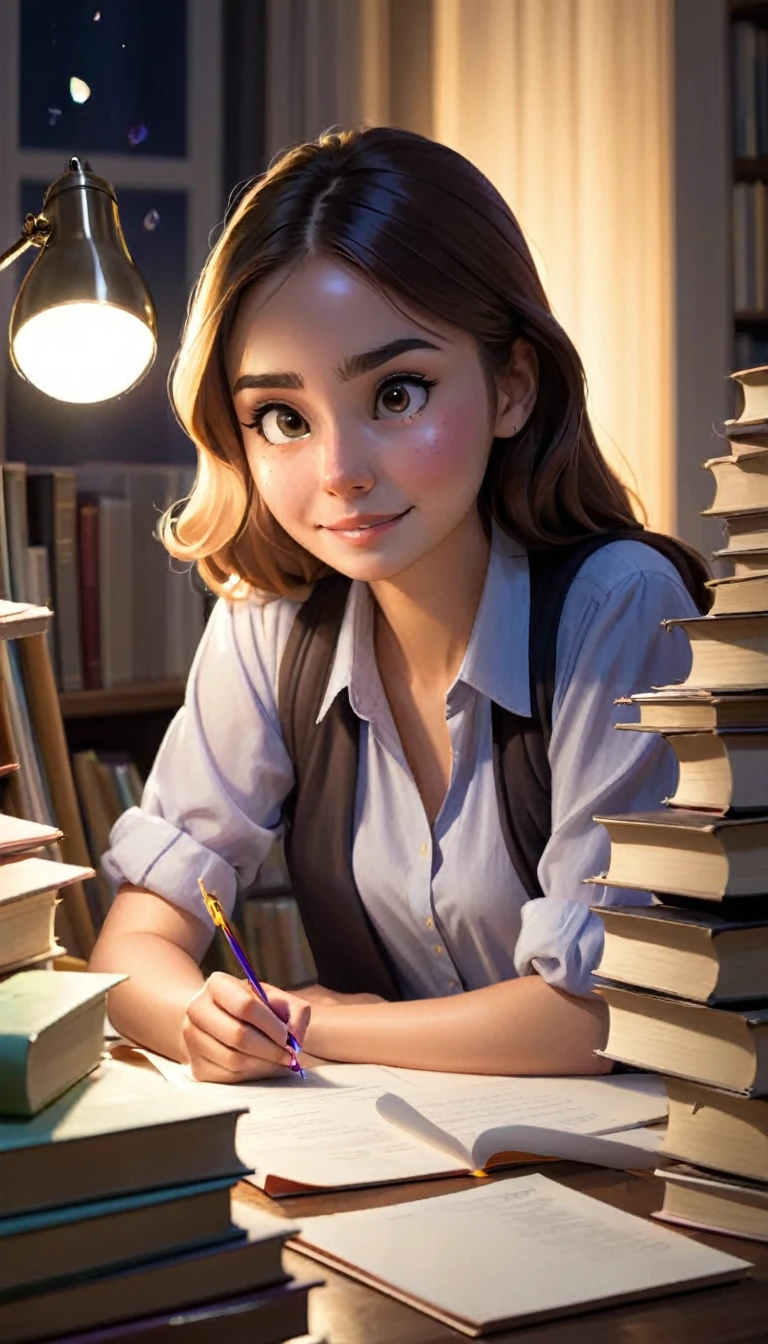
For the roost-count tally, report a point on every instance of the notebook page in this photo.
(323, 1132)
(484, 1116)
(636, 1149)
(586, 1105)
(488, 1255)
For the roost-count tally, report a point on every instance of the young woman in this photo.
(379, 392)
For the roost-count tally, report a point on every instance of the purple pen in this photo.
(213, 906)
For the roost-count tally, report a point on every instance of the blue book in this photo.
(39, 1248)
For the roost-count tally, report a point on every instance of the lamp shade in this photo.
(83, 326)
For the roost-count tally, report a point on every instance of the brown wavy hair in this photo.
(423, 225)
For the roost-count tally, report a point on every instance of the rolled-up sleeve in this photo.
(212, 804)
(610, 643)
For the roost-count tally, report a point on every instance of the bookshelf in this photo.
(132, 719)
(144, 698)
(748, 38)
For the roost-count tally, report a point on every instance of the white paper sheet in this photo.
(327, 1132)
(510, 1251)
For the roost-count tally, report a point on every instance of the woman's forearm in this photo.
(149, 1007)
(517, 1027)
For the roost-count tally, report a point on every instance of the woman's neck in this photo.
(425, 615)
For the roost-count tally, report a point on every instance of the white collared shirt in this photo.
(446, 901)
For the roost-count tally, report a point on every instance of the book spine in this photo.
(748, 75)
(14, 1062)
(15, 490)
(123, 785)
(136, 783)
(65, 561)
(40, 521)
(32, 784)
(115, 591)
(39, 584)
(761, 90)
(151, 492)
(88, 567)
(740, 246)
(5, 564)
(760, 223)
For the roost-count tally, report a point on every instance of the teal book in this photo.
(120, 1130)
(251, 1261)
(51, 1035)
(108, 1234)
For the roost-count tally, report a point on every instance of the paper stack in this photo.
(686, 979)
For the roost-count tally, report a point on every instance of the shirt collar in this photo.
(495, 663)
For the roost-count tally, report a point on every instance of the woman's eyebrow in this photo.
(352, 367)
(356, 365)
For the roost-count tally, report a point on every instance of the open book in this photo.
(357, 1124)
(511, 1252)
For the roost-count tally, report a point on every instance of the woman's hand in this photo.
(230, 1036)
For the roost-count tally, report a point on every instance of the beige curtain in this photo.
(567, 106)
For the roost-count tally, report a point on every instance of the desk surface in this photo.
(345, 1312)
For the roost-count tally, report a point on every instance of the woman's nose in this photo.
(345, 469)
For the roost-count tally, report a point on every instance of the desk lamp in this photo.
(83, 327)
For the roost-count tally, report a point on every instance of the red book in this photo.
(88, 569)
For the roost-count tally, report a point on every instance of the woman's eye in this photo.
(280, 424)
(401, 398)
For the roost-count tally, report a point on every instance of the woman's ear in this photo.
(516, 390)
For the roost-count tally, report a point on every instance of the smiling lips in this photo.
(365, 525)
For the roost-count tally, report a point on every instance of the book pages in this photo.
(340, 1128)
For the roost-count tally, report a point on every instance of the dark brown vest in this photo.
(320, 810)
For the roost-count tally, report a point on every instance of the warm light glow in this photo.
(568, 107)
(83, 352)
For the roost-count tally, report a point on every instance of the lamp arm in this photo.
(34, 233)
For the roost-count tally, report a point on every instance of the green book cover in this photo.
(115, 1099)
(121, 1129)
(34, 1004)
(71, 1215)
(33, 1000)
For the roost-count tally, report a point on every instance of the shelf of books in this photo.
(83, 541)
(686, 978)
(88, 713)
(749, 125)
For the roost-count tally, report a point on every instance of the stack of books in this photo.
(686, 979)
(116, 1222)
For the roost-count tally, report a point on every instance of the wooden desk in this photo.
(345, 1312)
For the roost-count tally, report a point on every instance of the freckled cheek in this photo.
(449, 448)
(282, 484)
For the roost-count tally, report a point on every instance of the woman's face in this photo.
(367, 435)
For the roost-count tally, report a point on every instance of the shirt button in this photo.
(454, 984)
(423, 849)
(438, 949)
(429, 921)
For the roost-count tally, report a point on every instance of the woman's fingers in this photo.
(235, 1033)
(213, 1062)
(292, 1010)
(238, 999)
